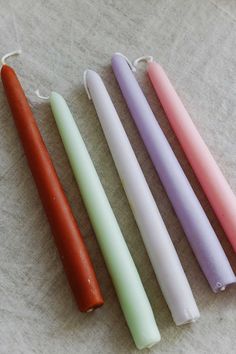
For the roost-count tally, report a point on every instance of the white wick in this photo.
(40, 96)
(146, 58)
(15, 52)
(85, 84)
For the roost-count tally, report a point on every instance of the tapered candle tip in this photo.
(132, 67)
(15, 52)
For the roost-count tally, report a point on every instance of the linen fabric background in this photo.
(195, 43)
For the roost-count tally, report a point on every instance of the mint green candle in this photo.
(126, 280)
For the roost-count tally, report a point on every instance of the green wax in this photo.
(125, 277)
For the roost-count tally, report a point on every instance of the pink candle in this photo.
(212, 180)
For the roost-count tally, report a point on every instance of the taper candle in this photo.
(125, 277)
(194, 221)
(68, 238)
(212, 180)
(163, 256)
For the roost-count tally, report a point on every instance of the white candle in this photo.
(162, 253)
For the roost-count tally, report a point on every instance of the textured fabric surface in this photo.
(195, 42)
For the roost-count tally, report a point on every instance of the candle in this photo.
(163, 256)
(69, 241)
(126, 280)
(212, 180)
(195, 223)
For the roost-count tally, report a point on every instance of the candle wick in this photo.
(146, 58)
(132, 67)
(15, 52)
(40, 96)
(85, 84)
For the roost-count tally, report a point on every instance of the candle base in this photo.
(148, 345)
(193, 320)
(222, 287)
(188, 316)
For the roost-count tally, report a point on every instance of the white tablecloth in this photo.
(195, 41)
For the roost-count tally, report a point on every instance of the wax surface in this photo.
(126, 280)
(69, 241)
(194, 221)
(217, 189)
(161, 251)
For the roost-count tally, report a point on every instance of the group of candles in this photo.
(163, 256)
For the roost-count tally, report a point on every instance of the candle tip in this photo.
(40, 96)
(146, 58)
(132, 67)
(15, 52)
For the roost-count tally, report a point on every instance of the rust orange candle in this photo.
(69, 241)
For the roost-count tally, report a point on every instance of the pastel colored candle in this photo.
(212, 180)
(126, 280)
(163, 256)
(194, 221)
(69, 241)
